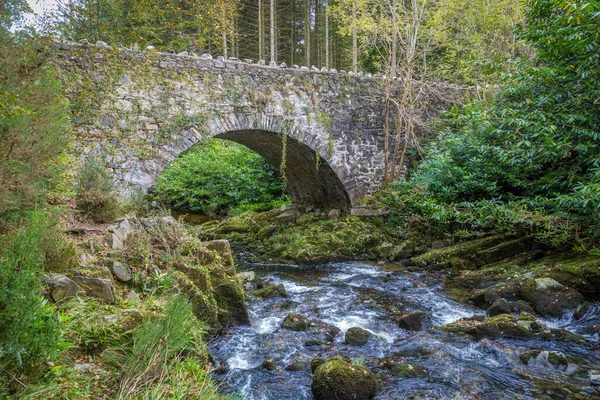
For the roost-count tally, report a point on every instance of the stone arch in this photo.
(311, 178)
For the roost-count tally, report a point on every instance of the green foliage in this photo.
(96, 196)
(156, 343)
(219, 177)
(28, 330)
(472, 40)
(165, 24)
(531, 160)
(34, 130)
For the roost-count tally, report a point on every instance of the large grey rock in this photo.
(120, 230)
(100, 288)
(548, 297)
(121, 272)
(60, 287)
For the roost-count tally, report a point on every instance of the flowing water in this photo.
(364, 295)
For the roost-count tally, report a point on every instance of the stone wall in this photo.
(142, 109)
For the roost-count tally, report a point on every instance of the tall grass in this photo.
(159, 344)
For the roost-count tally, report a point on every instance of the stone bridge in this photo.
(141, 109)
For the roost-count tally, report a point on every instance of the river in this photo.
(353, 294)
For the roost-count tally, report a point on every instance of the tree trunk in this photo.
(354, 40)
(307, 32)
(326, 35)
(273, 55)
(261, 30)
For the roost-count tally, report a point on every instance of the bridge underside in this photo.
(309, 181)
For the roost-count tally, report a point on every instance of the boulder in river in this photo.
(269, 291)
(357, 336)
(413, 321)
(500, 306)
(338, 379)
(402, 368)
(296, 322)
(549, 359)
(548, 297)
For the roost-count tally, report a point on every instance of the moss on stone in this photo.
(339, 380)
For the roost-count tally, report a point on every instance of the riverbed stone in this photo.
(357, 336)
(595, 377)
(269, 364)
(337, 379)
(545, 358)
(296, 322)
(548, 297)
(269, 291)
(296, 366)
(581, 311)
(402, 368)
(60, 287)
(413, 321)
(500, 306)
(100, 288)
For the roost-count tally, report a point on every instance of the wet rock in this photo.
(595, 377)
(316, 342)
(121, 272)
(296, 322)
(524, 306)
(484, 298)
(269, 364)
(100, 288)
(413, 321)
(357, 336)
(548, 359)
(270, 291)
(581, 311)
(504, 325)
(61, 287)
(337, 379)
(548, 297)
(296, 366)
(403, 369)
(500, 306)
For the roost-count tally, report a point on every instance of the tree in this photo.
(531, 161)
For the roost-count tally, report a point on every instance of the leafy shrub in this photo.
(96, 196)
(531, 161)
(28, 330)
(218, 177)
(34, 129)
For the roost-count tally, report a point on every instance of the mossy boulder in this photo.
(484, 298)
(503, 325)
(500, 306)
(269, 291)
(296, 322)
(296, 366)
(548, 297)
(337, 379)
(357, 336)
(403, 369)
(413, 321)
(508, 326)
(549, 359)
